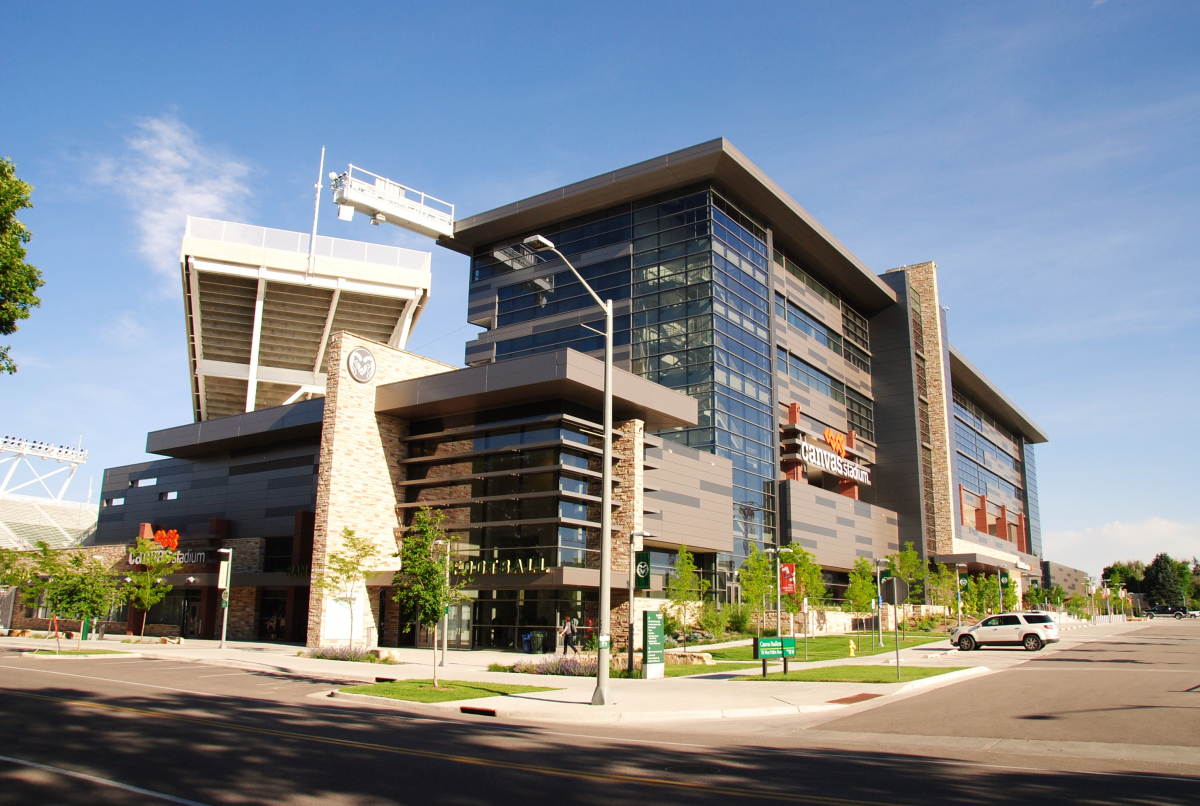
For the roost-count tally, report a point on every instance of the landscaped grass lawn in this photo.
(423, 690)
(79, 652)
(856, 674)
(831, 647)
(684, 670)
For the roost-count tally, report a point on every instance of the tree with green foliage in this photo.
(16, 567)
(147, 587)
(423, 586)
(909, 566)
(83, 589)
(713, 619)
(685, 589)
(862, 590)
(19, 281)
(344, 576)
(810, 579)
(1165, 583)
(941, 584)
(756, 578)
(1131, 574)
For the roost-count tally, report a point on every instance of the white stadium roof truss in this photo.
(259, 321)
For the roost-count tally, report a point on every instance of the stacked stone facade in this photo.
(359, 469)
(628, 476)
(922, 277)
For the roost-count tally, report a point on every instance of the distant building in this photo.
(1071, 580)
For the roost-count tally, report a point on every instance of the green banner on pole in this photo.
(1005, 579)
(641, 568)
(963, 579)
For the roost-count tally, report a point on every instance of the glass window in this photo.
(571, 509)
(1038, 620)
(573, 460)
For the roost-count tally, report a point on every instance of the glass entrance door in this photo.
(459, 629)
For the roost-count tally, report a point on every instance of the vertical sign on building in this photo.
(223, 582)
(653, 644)
(787, 578)
(641, 567)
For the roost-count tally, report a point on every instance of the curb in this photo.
(597, 716)
(33, 654)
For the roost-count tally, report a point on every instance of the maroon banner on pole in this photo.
(787, 578)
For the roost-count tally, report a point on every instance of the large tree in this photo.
(1164, 583)
(19, 281)
(83, 589)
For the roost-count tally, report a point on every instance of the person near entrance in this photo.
(568, 634)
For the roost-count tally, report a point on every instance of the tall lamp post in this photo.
(539, 243)
(778, 598)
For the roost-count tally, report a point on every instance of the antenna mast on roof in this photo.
(312, 243)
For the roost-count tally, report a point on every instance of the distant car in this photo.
(1169, 611)
(1030, 630)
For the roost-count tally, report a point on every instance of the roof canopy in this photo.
(965, 377)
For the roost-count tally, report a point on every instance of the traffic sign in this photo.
(894, 591)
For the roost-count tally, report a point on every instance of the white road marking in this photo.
(102, 781)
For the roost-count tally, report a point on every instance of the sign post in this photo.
(778, 647)
(653, 645)
(804, 609)
(223, 576)
(963, 580)
(895, 591)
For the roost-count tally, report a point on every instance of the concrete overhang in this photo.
(794, 230)
(965, 376)
(560, 375)
(263, 427)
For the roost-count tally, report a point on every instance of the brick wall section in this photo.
(629, 474)
(923, 277)
(243, 614)
(248, 554)
(359, 465)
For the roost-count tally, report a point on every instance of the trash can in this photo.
(527, 643)
(539, 638)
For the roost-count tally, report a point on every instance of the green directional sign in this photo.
(641, 570)
(653, 644)
(766, 648)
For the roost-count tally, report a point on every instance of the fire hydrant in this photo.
(852, 648)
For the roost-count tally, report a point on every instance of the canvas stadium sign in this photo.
(832, 463)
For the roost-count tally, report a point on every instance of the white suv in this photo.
(1030, 630)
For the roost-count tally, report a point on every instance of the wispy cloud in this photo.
(167, 174)
(1095, 547)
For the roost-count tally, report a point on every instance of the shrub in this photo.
(671, 624)
(355, 654)
(570, 666)
(738, 617)
(498, 667)
(712, 620)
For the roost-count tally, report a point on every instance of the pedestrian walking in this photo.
(568, 634)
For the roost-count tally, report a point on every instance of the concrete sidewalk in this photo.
(711, 695)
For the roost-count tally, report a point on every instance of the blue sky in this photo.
(1045, 155)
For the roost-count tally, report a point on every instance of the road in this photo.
(1115, 720)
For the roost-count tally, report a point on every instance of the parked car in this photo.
(1169, 611)
(1030, 630)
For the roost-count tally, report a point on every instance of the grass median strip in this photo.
(855, 674)
(448, 690)
(831, 647)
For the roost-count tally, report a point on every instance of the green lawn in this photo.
(832, 647)
(79, 652)
(855, 674)
(423, 690)
(684, 670)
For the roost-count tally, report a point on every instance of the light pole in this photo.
(632, 575)
(958, 587)
(600, 696)
(878, 605)
(224, 578)
(446, 608)
(778, 600)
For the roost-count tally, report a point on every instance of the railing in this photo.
(288, 241)
(395, 193)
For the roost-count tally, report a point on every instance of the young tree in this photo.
(810, 578)
(19, 281)
(862, 590)
(685, 589)
(421, 583)
(909, 566)
(942, 586)
(158, 560)
(345, 571)
(757, 580)
(83, 589)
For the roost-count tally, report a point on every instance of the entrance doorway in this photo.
(272, 615)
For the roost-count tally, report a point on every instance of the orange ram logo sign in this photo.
(836, 441)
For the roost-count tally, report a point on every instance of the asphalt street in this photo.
(1110, 721)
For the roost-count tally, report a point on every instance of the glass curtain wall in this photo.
(701, 319)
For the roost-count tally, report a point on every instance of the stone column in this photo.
(629, 477)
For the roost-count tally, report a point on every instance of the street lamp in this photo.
(632, 575)
(446, 608)
(224, 578)
(778, 599)
(539, 243)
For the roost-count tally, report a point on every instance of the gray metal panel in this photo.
(694, 491)
(836, 529)
(296, 420)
